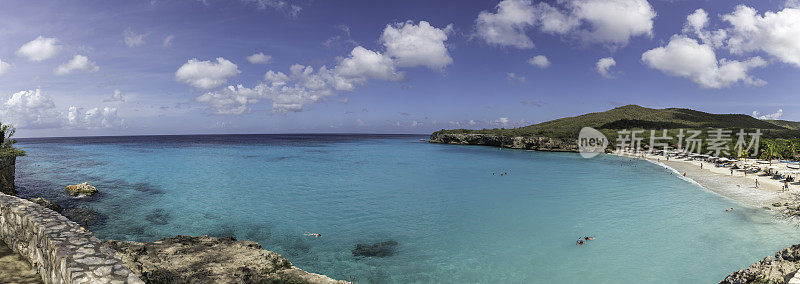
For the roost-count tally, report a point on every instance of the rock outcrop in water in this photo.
(204, 259)
(772, 269)
(81, 189)
(530, 143)
(382, 249)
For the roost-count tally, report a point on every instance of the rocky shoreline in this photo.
(780, 268)
(188, 259)
(513, 142)
(204, 259)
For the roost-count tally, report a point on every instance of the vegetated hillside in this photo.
(637, 117)
(793, 125)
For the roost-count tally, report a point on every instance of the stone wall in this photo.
(61, 250)
(7, 168)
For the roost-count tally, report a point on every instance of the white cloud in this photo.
(611, 22)
(259, 58)
(230, 100)
(506, 27)
(94, 118)
(697, 23)
(775, 33)
(363, 64)
(4, 67)
(39, 49)
(615, 21)
(513, 77)
(133, 39)
(30, 109)
(78, 62)
(685, 57)
(280, 5)
(206, 74)
(168, 41)
(505, 122)
(115, 97)
(604, 65)
(416, 124)
(360, 122)
(342, 39)
(531, 102)
(410, 45)
(415, 45)
(776, 115)
(540, 61)
(221, 125)
(288, 93)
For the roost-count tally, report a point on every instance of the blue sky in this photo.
(184, 66)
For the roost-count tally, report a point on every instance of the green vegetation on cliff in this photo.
(7, 143)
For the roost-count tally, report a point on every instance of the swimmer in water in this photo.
(307, 234)
(588, 238)
(580, 242)
(729, 209)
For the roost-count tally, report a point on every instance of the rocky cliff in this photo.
(7, 167)
(779, 268)
(204, 259)
(530, 143)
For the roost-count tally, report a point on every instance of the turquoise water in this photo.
(453, 220)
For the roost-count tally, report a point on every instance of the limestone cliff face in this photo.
(7, 168)
(530, 143)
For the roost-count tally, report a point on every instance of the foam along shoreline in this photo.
(739, 187)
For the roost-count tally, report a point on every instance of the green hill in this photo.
(794, 125)
(637, 117)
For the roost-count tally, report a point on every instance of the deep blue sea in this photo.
(453, 219)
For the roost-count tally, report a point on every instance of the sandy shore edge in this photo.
(737, 186)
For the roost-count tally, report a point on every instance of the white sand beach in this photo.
(737, 186)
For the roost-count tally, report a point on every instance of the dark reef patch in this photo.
(381, 249)
(222, 231)
(85, 217)
(257, 233)
(146, 187)
(210, 216)
(159, 217)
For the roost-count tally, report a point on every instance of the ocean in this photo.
(455, 214)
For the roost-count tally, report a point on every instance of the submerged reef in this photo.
(381, 249)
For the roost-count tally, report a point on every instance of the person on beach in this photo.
(786, 185)
(701, 165)
(307, 234)
(731, 171)
(756, 183)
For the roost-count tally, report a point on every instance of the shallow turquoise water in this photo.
(454, 221)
